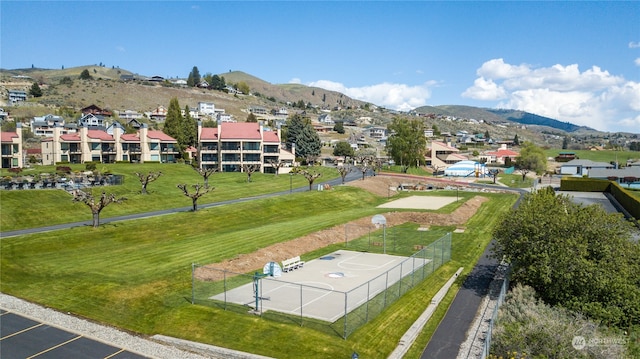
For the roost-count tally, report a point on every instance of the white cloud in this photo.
(637, 61)
(393, 96)
(484, 89)
(634, 45)
(593, 97)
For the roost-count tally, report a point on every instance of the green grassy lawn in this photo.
(39, 208)
(598, 156)
(515, 180)
(136, 274)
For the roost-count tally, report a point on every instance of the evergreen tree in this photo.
(339, 127)
(85, 75)
(190, 126)
(343, 148)
(516, 141)
(35, 90)
(252, 118)
(173, 124)
(487, 136)
(194, 77)
(565, 143)
(301, 132)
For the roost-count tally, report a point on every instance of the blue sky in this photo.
(574, 61)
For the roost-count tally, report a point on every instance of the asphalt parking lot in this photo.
(21, 338)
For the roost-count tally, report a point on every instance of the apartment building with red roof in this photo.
(231, 146)
(11, 148)
(99, 146)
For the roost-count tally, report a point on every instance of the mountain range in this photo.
(118, 95)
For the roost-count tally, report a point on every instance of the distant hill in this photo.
(527, 118)
(500, 115)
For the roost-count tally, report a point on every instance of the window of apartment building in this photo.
(251, 146)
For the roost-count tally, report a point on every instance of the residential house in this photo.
(203, 84)
(11, 148)
(627, 176)
(95, 110)
(129, 115)
(282, 111)
(258, 110)
(582, 167)
(441, 155)
(158, 114)
(326, 119)
(378, 133)
(500, 156)
(224, 117)
(43, 125)
(566, 156)
(16, 96)
(230, 146)
(91, 120)
(232, 90)
(156, 79)
(207, 108)
(428, 133)
(100, 146)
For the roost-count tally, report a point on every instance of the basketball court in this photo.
(328, 287)
(419, 202)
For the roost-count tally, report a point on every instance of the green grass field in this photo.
(136, 274)
(598, 156)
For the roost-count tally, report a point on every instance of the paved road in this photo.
(334, 182)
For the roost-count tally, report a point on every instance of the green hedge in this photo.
(626, 200)
(581, 184)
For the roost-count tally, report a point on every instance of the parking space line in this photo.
(114, 354)
(56, 346)
(22, 331)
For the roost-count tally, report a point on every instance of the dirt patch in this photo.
(249, 262)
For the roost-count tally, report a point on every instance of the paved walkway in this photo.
(452, 330)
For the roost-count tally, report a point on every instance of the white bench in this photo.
(292, 263)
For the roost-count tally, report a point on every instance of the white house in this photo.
(206, 108)
(582, 167)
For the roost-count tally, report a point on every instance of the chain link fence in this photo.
(328, 310)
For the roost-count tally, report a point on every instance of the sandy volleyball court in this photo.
(419, 202)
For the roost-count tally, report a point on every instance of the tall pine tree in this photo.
(173, 124)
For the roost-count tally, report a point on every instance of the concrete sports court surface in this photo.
(317, 290)
(419, 202)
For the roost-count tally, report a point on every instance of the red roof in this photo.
(101, 135)
(271, 136)
(8, 136)
(70, 137)
(240, 131)
(130, 137)
(503, 153)
(159, 135)
(209, 134)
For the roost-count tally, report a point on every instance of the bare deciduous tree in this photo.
(311, 176)
(344, 170)
(249, 170)
(200, 190)
(96, 204)
(147, 178)
(206, 173)
(364, 163)
(276, 164)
